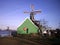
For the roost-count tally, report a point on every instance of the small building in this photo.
(27, 27)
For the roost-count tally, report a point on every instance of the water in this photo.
(4, 33)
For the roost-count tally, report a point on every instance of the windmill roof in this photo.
(27, 24)
(29, 20)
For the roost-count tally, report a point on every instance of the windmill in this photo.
(32, 14)
(7, 28)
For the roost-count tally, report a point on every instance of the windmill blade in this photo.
(32, 7)
(37, 11)
(26, 12)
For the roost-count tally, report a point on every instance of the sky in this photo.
(12, 12)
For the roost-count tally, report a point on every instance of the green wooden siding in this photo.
(28, 24)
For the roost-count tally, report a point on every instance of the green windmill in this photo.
(30, 25)
(27, 27)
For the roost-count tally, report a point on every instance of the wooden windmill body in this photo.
(32, 14)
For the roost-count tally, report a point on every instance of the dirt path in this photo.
(16, 41)
(28, 41)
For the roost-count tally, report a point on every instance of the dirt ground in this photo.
(32, 41)
(15, 41)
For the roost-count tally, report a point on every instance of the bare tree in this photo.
(43, 22)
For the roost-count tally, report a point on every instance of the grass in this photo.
(43, 40)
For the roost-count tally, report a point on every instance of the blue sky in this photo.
(12, 12)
